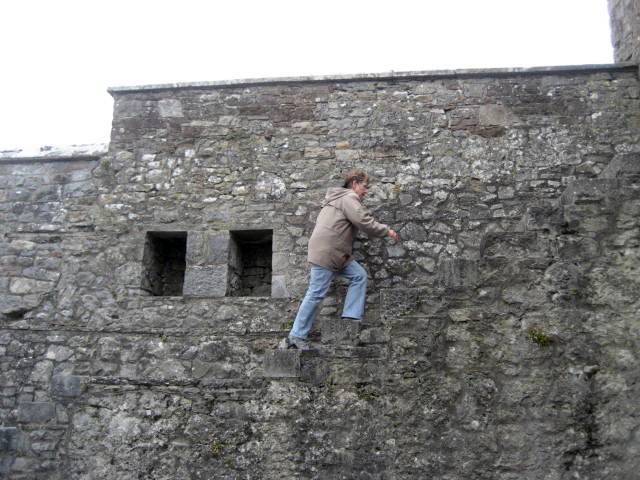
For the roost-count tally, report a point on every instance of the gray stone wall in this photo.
(624, 18)
(500, 339)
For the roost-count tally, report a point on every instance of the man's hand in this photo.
(393, 234)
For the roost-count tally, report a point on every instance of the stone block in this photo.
(59, 353)
(10, 439)
(414, 326)
(66, 385)
(313, 368)
(170, 107)
(346, 155)
(129, 274)
(337, 330)
(586, 218)
(396, 251)
(458, 272)
(317, 152)
(542, 217)
(217, 244)
(578, 247)
(427, 264)
(195, 248)
(217, 215)
(514, 245)
(128, 108)
(500, 271)
(461, 315)
(206, 249)
(279, 287)
(623, 166)
(373, 335)
(524, 294)
(282, 363)
(413, 231)
(590, 190)
(18, 305)
(496, 115)
(400, 301)
(28, 285)
(165, 370)
(269, 186)
(210, 281)
(36, 412)
(166, 216)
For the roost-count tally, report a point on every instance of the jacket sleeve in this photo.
(360, 217)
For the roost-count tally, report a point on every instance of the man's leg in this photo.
(319, 281)
(357, 292)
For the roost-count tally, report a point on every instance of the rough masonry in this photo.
(144, 288)
(625, 29)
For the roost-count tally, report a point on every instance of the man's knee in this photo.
(359, 276)
(317, 292)
(316, 296)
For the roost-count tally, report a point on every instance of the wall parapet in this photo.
(54, 153)
(386, 76)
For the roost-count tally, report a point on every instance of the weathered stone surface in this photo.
(17, 305)
(515, 245)
(623, 166)
(496, 115)
(208, 248)
(589, 191)
(10, 439)
(625, 29)
(66, 385)
(282, 364)
(338, 330)
(279, 287)
(208, 281)
(27, 285)
(36, 412)
(500, 337)
(170, 107)
(458, 273)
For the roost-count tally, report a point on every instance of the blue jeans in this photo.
(320, 280)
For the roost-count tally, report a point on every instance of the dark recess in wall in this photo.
(250, 255)
(164, 263)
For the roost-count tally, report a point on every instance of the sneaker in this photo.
(285, 344)
(299, 343)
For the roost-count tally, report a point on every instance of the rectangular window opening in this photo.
(163, 263)
(250, 255)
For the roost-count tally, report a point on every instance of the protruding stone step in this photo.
(400, 301)
(542, 217)
(282, 363)
(307, 365)
(337, 330)
(589, 190)
(10, 440)
(515, 245)
(624, 166)
(458, 273)
(36, 412)
(357, 352)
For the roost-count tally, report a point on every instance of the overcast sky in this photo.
(59, 56)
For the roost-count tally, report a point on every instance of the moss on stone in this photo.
(216, 448)
(538, 336)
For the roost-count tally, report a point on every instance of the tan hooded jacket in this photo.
(342, 214)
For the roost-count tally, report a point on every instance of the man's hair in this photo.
(352, 176)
